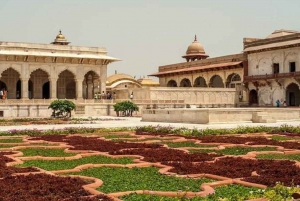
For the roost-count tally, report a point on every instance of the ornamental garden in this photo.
(149, 163)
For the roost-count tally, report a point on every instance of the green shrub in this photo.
(62, 108)
(125, 108)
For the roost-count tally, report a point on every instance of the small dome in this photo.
(60, 39)
(195, 51)
(60, 36)
(195, 48)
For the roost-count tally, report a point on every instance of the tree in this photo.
(61, 108)
(126, 108)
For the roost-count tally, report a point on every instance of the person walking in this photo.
(278, 103)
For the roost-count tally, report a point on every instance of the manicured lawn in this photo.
(127, 179)
(235, 150)
(70, 164)
(112, 136)
(6, 146)
(228, 193)
(46, 152)
(11, 140)
(186, 144)
(280, 156)
(281, 138)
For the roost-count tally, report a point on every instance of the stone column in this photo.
(79, 89)
(24, 85)
(53, 88)
(103, 76)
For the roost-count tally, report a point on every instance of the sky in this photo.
(146, 34)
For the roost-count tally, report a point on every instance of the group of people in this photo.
(104, 96)
(278, 103)
(3, 94)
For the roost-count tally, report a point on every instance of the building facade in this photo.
(200, 72)
(273, 71)
(51, 71)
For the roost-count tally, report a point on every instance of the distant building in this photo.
(199, 71)
(273, 71)
(51, 71)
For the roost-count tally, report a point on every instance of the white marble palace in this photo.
(51, 71)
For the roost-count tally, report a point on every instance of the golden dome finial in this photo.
(60, 39)
(195, 37)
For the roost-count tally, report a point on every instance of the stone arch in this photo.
(13, 67)
(64, 68)
(86, 70)
(42, 68)
(91, 84)
(253, 97)
(39, 77)
(216, 82)
(233, 80)
(200, 82)
(10, 77)
(185, 82)
(172, 83)
(288, 82)
(292, 97)
(66, 85)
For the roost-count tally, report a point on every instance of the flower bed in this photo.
(40, 187)
(113, 169)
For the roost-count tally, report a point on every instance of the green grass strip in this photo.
(46, 152)
(112, 136)
(186, 144)
(127, 179)
(228, 193)
(235, 150)
(7, 146)
(11, 140)
(279, 156)
(281, 138)
(70, 164)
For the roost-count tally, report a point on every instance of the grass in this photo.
(112, 136)
(279, 156)
(46, 152)
(42, 144)
(186, 144)
(7, 146)
(70, 164)
(11, 140)
(127, 179)
(235, 150)
(281, 138)
(228, 193)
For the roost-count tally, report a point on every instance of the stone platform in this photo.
(220, 115)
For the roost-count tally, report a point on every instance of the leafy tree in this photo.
(61, 108)
(125, 108)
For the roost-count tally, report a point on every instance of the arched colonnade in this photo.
(215, 81)
(40, 85)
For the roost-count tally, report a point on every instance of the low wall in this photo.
(214, 115)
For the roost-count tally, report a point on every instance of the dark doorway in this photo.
(293, 95)
(172, 83)
(46, 90)
(275, 68)
(18, 90)
(253, 100)
(2, 85)
(30, 89)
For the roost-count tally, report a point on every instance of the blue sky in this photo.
(146, 34)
